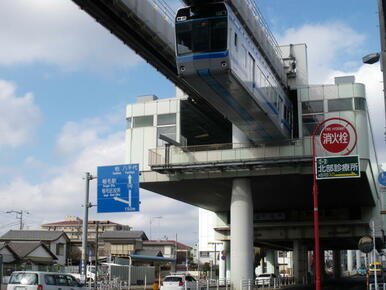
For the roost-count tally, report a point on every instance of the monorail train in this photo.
(217, 57)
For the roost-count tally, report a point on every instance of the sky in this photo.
(65, 82)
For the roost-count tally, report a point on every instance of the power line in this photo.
(19, 216)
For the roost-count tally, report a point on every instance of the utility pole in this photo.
(19, 216)
(87, 205)
(96, 255)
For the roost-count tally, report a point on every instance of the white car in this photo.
(180, 282)
(265, 279)
(36, 280)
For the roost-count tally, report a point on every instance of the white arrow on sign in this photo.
(122, 200)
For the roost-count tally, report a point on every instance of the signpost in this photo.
(337, 167)
(118, 188)
(337, 137)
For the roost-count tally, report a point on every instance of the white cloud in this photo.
(76, 135)
(64, 193)
(326, 43)
(372, 77)
(18, 116)
(59, 33)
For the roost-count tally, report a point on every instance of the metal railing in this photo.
(381, 286)
(216, 153)
(166, 10)
(262, 35)
(201, 284)
(269, 283)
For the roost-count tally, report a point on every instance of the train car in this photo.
(217, 57)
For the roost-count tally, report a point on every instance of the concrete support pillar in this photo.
(350, 262)
(241, 232)
(300, 262)
(239, 139)
(358, 259)
(271, 258)
(227, 248)
(336, 264)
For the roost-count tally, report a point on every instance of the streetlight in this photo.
(151, 219)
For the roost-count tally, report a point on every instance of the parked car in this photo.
(266, 279)
(180, 282)
(36, 280)
(362, 271)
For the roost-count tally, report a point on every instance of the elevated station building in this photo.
(208, 156)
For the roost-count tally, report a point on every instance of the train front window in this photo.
(184, 38)
(201, 35)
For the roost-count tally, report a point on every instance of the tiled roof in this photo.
(22, 249)
(78, 222)
(180, 246)
(124, 235)
(16, 235)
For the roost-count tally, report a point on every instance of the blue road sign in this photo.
(118, 188)
(382, 178)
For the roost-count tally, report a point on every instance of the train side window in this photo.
(235, 41)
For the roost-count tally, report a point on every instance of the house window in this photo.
(59, 249)
(204, 254)
(118, 249)
(142, 121)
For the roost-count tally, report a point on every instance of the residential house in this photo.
(57, 243)
(22, 255)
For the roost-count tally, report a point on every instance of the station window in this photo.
(169, 131)
(166, 119)
(311, 107)
(360, 104)
(142, 121)
(337, 105)
(128, 122)
(310, 122)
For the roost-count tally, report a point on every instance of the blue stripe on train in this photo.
(198, 56)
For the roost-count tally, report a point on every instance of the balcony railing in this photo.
(220, 153)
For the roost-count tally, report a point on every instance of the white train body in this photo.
(218, 58)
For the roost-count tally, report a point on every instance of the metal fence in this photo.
(269, 283)
(381, 286)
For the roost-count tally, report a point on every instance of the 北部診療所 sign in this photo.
(118, 188)
(337, 167)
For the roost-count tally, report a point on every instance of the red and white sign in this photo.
(338, 137)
